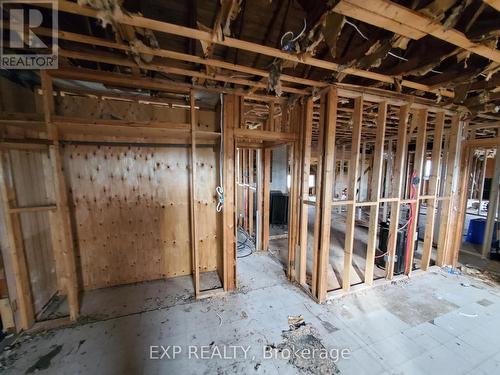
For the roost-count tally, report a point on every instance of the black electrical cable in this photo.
(244, 245)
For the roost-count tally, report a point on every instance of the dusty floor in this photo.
(438, 323)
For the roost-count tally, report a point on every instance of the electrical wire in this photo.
(397, 57)
(247, 245)
(405, 224)
(294, 39)
(357, 29)
(409, 237)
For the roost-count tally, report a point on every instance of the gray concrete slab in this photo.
(433, 323)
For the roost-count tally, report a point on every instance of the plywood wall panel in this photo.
(206, 201)
(131, 210)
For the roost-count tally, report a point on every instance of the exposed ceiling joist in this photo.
(113, 60)
(94, 41)
(348, 9)
(493, 3)
(128, 81)
(414, 20)
(187, 32)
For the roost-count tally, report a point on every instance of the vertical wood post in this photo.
(388, 176)
(318, 190)
(16, 248)
(293, 210)
(192, 199)
(397, 189)
(433, 190)
(460, 204)
(492, 207)
(304, 208)
(260, 200)
(63, 219)
(418, 168)
(351, 191)
(328, 172)
(230, 119)
(445, 226)
(363, 181)
(244, 187)
(481, 184)
(378, 160)
(266, 191)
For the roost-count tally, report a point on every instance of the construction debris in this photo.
(304, 350)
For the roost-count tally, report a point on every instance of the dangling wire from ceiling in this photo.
(287, 45)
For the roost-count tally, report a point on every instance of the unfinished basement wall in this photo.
(24, 173)
(28, 180)
(130, 203)
(131, 211)
(357, 129)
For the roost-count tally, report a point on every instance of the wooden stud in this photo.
(388, 177)
(418, 168)
(433, 190)
(328, 171)
(293, 208)
(244, 188)
(351, 191)
(16, 249)
(481, 184)
(61, 227)
(251, 190)
(363, 195)
(192, 199)
(460, 207)
(446, 214)
(266, 192)
(306, 164)
(492, 207)
(231, 117)
(378, 159)
(318, 190)
(397, 189)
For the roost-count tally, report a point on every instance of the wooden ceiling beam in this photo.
(107, 59)
(94, 41)
(348, 9)
(123, 80)
(164, 27)
(493, 3)
(417, 21)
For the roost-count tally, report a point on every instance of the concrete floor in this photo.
(435, 323)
